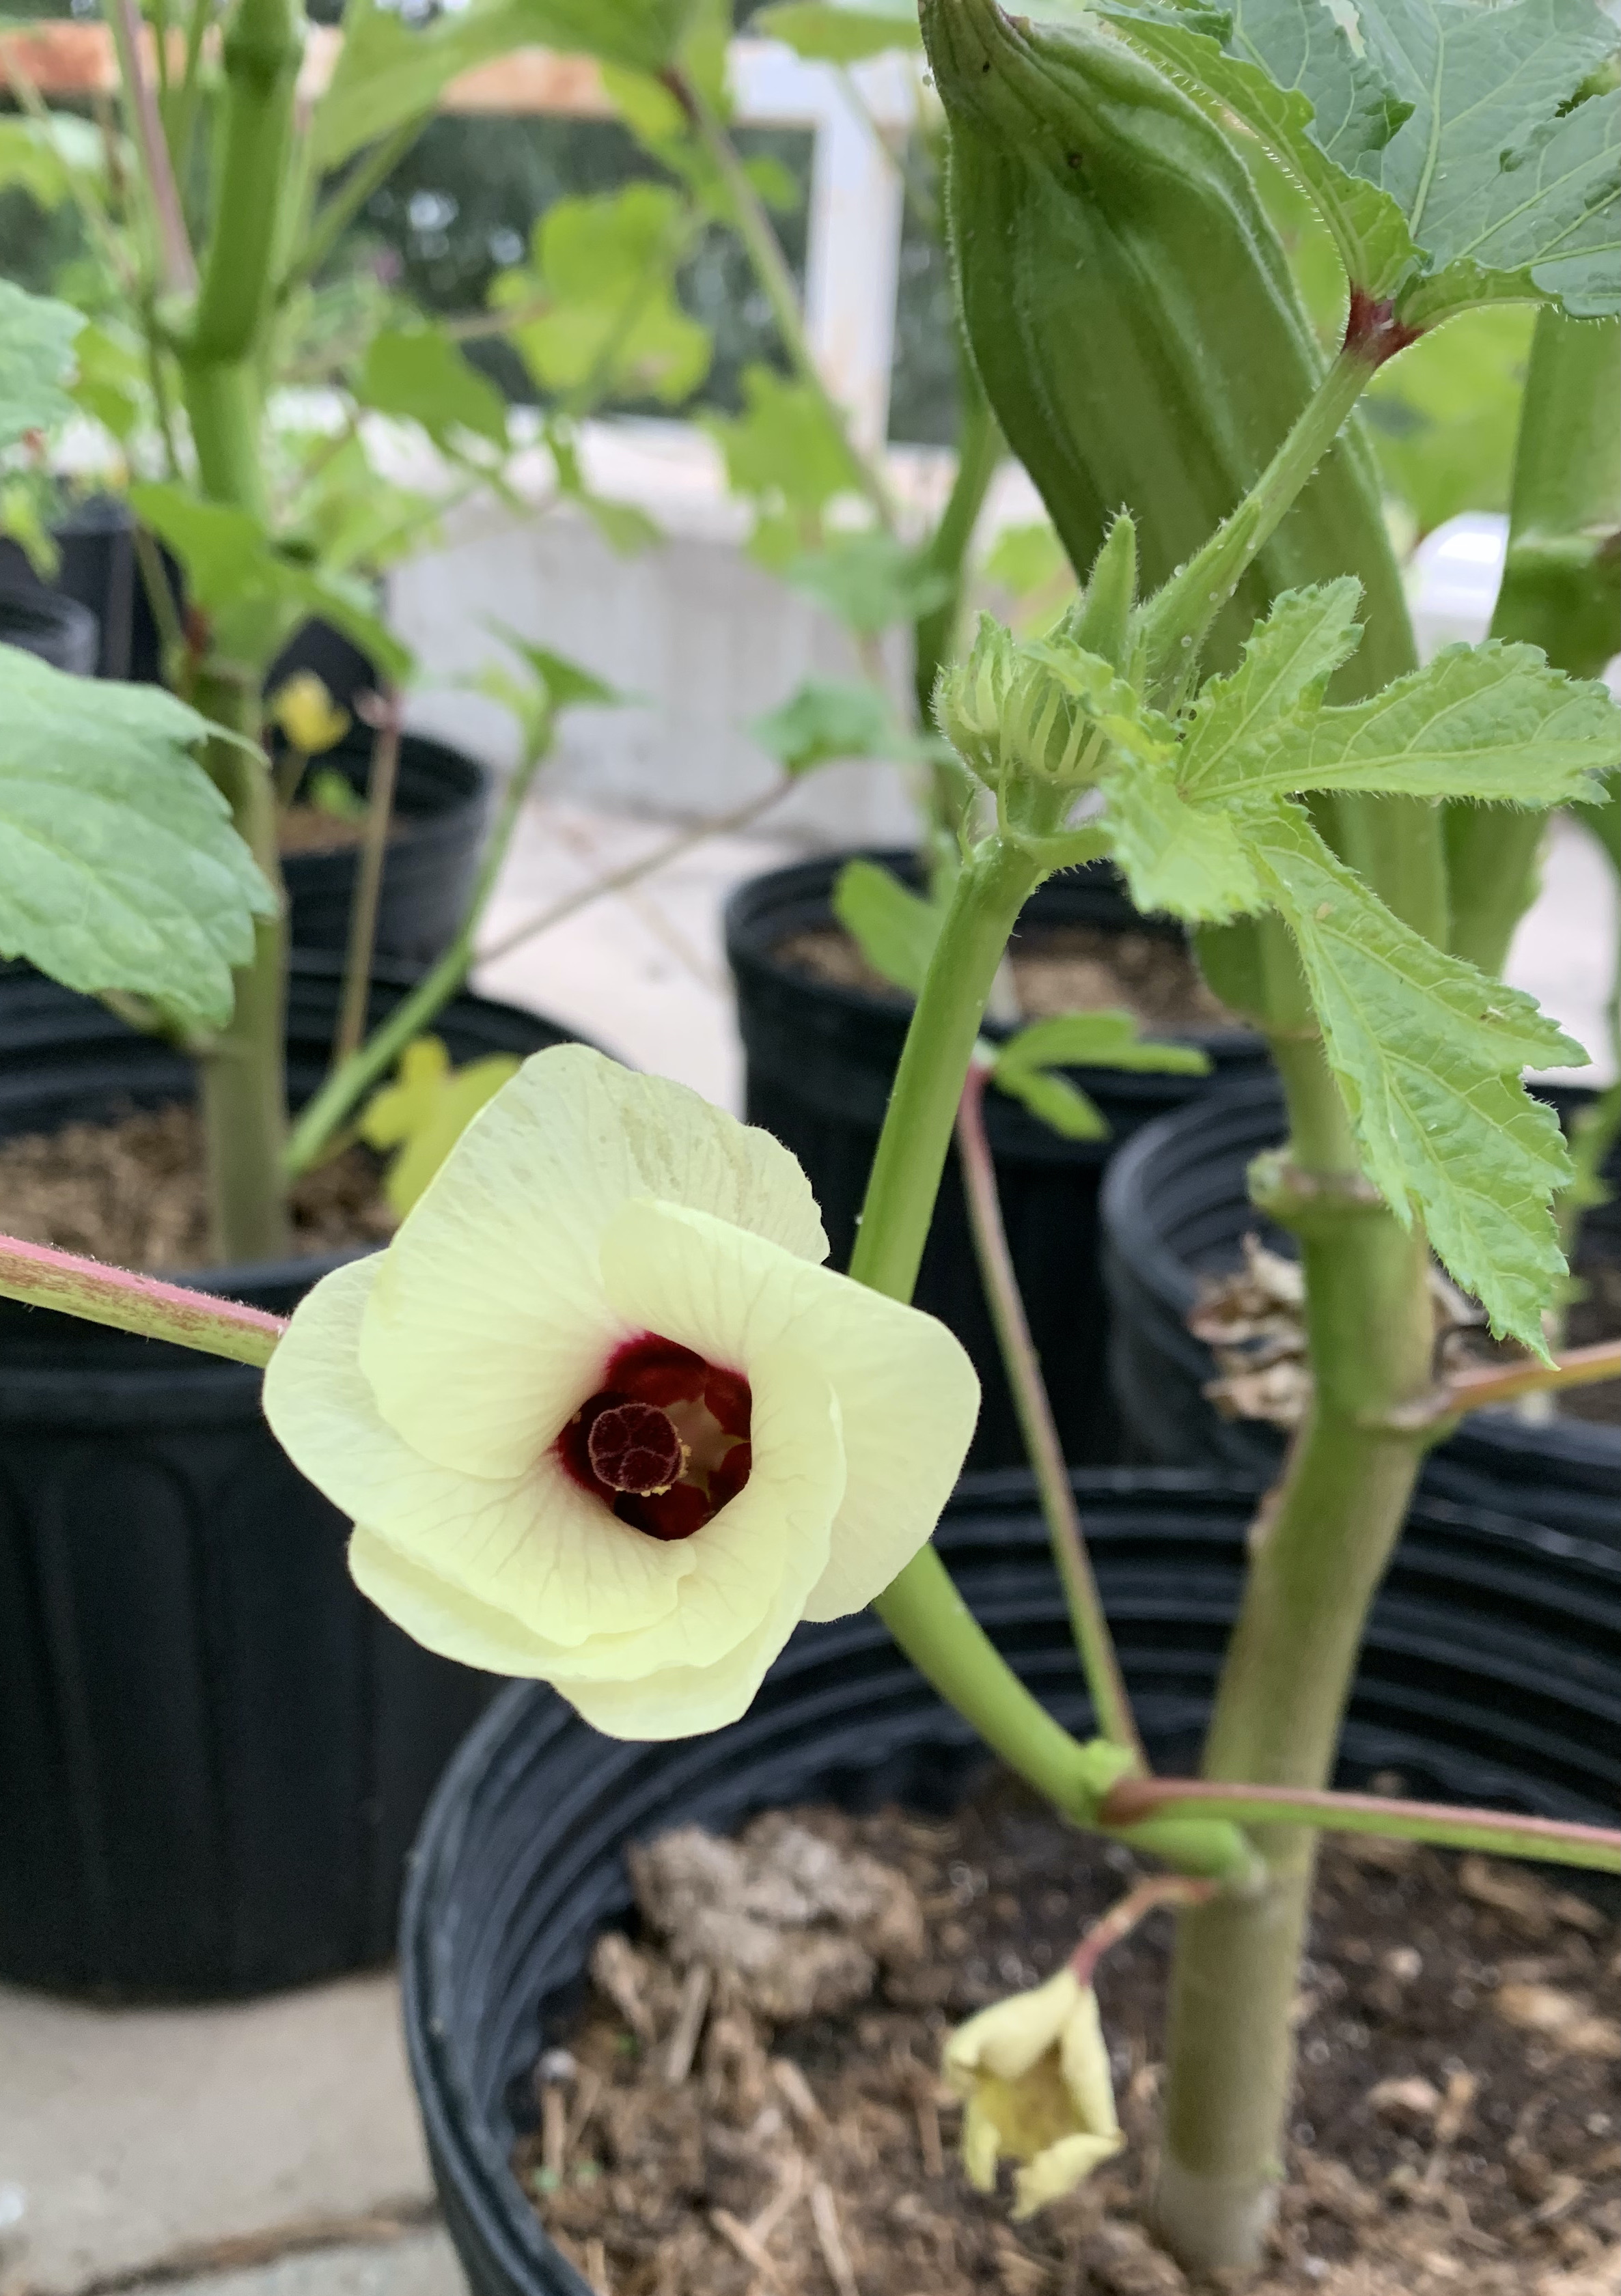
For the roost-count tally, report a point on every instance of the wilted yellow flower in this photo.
(308, 715)
(600, 1418)
(1033, 2072)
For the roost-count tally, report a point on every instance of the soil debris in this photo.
(1436, 2147)
(133, 1191)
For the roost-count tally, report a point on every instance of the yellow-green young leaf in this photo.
(1176, 854)
(417, 374)
(625, 527)
(1429, 1053)
(1491, 722)
(894, 927)
(1060, 1104)
(389, 70)
(605, 266)
(119, 868)
(784, 451)
(839, 31)
(253, 596)
(868, 581)
(110, 386)
(826, 718)
(1288, 660)
(425, 1112)
(37, 338)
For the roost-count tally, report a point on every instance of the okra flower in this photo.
(1034, 2075)
(599, 1416)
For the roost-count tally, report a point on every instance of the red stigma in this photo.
(663, 1442)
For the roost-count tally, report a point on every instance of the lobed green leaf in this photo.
(894, 927)
(827, 718)
(119, 868)
(1286, 663)
(418, 374)
(37, 340)
(1177, 854)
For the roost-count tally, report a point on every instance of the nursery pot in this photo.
(1484, 1676)
(820, 1060)
(54, 630)
(1176, 1207)
(213, 1751)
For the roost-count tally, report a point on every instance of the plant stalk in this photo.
(368, 883)
(1561, 590)
(1105, 1683)
(42, 1277)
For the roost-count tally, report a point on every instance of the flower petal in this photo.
(533, 1546)
(1058, 2170)
(908, 1394)
(487, 1326)
(1007, 2039)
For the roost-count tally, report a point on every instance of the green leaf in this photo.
(1491, 722)
(417, 374)
(564, 682)
(1428, 1054)
(110, 386)
(425, 1111)
(605, 264)
(1289, 72)
(37, 338)
(389, 71)
(39, 160)
(624, 527)
(253, 597)
(1105, 1040)
(894, 927)
(839, 31)
(1288, 660)
(1058, 1102)
(785, 452)
(868, 581)
(1488, 173)
(1024, 559)
(827, 718)
(119, 868)
(1177, 855)
(333, 794)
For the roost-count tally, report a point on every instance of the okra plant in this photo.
(600, 1417)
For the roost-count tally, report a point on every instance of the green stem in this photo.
(764, 252)
(43, 1277)
(1318, 1552)
(344, 204)
(1105, 1683)
(261, 51)
(184, 121)
(1561, 590)
(1551, 1840)
(368, 884)
(165, 215)
(1176, 619)
(979, 451)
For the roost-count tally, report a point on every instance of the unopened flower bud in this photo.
(1040, 710)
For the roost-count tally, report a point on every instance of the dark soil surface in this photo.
(311, 829)
(132, 1191)
(1457, 2129)
(1058, 968)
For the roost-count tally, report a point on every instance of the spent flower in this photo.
(306, 714)
(600, 1417)
(1034, 2074)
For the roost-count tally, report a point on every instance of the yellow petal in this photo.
(908, 1394)
(1059, 2170)
(980, 2146)
(1085, 2058)
(1007, 2039)
(533, 1546)
(487, 1328)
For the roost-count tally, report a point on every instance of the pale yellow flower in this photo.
(1034, 2073)
(308, 715)
(600, 1418)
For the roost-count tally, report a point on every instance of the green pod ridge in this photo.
(1131, 312)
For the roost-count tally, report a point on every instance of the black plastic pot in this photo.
(1488, 1674)
(213, 1753)
(1175, 1206)
(442, 812)
(53, 629)
(819, 1063)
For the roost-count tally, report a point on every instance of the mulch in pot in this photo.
(133, 1191)
(1457, 2130)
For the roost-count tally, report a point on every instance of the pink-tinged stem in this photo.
(1121, 1919)
(1551, 1840)
(1483, 1388)
(42, 1277)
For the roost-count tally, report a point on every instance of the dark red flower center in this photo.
(665, 1441)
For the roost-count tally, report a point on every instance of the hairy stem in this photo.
(1561, 590)
(1105, 1683)
(60, 1280)
(979, 450)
